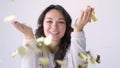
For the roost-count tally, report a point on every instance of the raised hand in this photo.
(26, 30)
(83, 19)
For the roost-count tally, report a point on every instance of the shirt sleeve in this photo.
(29, 60)
(78, 44)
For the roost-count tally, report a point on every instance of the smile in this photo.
(54, 32)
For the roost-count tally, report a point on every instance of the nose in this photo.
(54, 25)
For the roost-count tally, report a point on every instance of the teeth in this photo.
(54, 32)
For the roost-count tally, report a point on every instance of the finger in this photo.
(82, 15)
(85, 16)
(18, 26)
(25, 26)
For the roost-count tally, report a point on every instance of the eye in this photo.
(49, 21)
(62, 22)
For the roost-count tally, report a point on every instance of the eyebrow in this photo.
(58, 19)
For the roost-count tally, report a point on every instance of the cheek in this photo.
(45, 28)
(63, 29)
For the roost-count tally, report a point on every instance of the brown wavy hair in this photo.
(65, 41)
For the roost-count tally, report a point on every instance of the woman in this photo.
(56, 22)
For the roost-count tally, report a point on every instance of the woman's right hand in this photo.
(26, 30)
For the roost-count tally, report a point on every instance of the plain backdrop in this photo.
(102, 37)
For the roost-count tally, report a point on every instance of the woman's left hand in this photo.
(83, 19)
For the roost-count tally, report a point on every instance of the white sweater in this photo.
(71, 60)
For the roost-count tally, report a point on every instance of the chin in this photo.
(55, 39)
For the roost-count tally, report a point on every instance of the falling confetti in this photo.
(22, 51)
(98, 59)
(92, 60)
(94, 19)
(44, 41)
(79, 66)
(41, 39)
(43, 61)
(14, 54)
(60, 62)
(9, 18)
(82, 56)
(47, 40)
(29, 46)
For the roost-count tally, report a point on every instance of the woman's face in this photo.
(54, 25)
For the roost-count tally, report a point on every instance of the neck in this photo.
(54, 46)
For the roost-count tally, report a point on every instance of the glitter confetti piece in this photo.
(40, 42)
(29, 46)
(41, 39)
(92, 60)
(82, 56)
(60, 62)
(47, 40)
(98, 59)
(43, 61)
(88, 54)
(86, 62)
(79, 66)
(9, 18)
(94, 19)
(22, 51)
(14, 54)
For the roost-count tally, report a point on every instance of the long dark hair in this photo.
(65, 41)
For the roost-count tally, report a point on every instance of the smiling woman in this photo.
(103, 36)
(66, 42)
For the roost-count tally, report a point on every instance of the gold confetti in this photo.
(47, 40)
(79, 66)
(82, 56)
(92, 60)
(60, 62)
(39, 41)
(29, 46)
(43, 61)
(43, 41)
(86, 62)
(88, 56)
(94, 19)
(9, 18)
(14, 54)
(22, 51)
(98, 59)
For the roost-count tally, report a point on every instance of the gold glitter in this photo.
(60, 62)
(79, 66)
(43, 61)
(29, 46)
(98, 59)
(22, 51)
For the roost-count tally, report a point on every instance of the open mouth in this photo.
(54, 32)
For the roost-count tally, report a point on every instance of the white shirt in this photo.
(71, 59)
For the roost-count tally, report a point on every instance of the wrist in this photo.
(78, 28)
(29, 37)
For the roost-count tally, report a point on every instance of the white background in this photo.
(103, 36)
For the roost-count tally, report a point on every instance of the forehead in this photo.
(54, 14)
